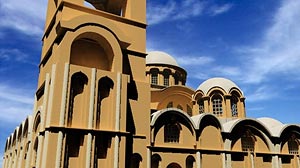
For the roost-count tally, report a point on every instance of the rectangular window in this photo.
(154, 79)
(166, 80)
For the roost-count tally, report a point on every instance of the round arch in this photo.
(173, 165)
(102, 37)
(239, 126)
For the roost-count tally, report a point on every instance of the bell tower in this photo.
(93, 98)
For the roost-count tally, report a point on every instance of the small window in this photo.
(166, 80)
(248, 141)
(293, 145)
(180, 107)
(217, 105)
(201, 106)
(170, 105)
(172, 133)
(234, 109)
(154, 80)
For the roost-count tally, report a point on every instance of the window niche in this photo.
(76, 99)
(105, 85)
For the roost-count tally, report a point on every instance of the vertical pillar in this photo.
(51, 92)
(45, 149)
(39, 151)
(227, 105)
(62, 117)
(206, 103)
(198, 159)
(228, 160)
(252, 160)
(117, 124)
(148, 158)
(28, 157)
(44, 111)
(223, 160)
(90, 121)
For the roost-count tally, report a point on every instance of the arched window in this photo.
(154, 78)
(180, 107)
(155, 159)
(189, 163)
(166, 74)
(172, 131)
(201, 106)
(35, 149)
(293, 145)
(248, 141)
(217, 105)
(173, 165)
(170, 105)
(135, 160)
(189, 110)
(166, 80)
(234, 106)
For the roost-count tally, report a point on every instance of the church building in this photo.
(102, 101)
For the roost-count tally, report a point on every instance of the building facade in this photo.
(102, 101)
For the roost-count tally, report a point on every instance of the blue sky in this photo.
(252, 42)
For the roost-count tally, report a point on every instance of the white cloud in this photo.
(174, 10)
(12, 55)
(28, 20)
(261, 93)
(279, 52)
(194, 60)
(16, 104)
(217, 10)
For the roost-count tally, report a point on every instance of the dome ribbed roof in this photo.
(158, 57)
(223, 83)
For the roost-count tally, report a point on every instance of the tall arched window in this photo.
(179, 107)
(172, 131)
(135, 160)
(234, 106)
(293, 145)
(166, 75)
(155, 159)
(154, 78)
(217, 105)
(189, 162)
(248, 141)
(201, 106)
(170, 105)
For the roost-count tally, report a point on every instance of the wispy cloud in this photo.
(261, 93)
(194, 60)
(28, 20)
(16, 103)
(217, 10)
(173, 10)
(12, 55)
(279, 51)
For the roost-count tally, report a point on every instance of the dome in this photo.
(158, 57)
(223, 83)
